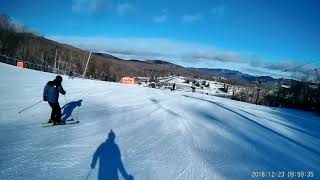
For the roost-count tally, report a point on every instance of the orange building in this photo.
(20, 64)
(127, 80)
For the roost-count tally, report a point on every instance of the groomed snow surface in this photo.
(162, 135)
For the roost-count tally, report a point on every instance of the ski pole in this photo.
(88, 174)
(29, 106)
(78, 114)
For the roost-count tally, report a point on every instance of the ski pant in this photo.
(56, 112)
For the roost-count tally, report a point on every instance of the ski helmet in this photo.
(59, 78)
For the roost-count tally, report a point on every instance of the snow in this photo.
(162, 135)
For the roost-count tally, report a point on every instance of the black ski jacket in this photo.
(51, 92)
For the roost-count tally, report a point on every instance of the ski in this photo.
(51, 124)
(46, 124)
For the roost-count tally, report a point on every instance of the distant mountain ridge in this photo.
(166, 67)
(235, 75)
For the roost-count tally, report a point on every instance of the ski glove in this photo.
(61, 90)
(92, 165)
(130, 177)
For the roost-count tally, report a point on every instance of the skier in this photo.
(173, 87)
(51, 94)
(109, 157)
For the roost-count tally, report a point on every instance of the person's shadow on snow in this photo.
(68, 109)
(110, 161)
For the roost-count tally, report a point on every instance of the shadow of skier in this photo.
(68, 109)
(110, 161)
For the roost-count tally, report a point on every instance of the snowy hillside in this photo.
(162, 135)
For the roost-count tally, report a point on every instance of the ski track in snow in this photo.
(162, 135)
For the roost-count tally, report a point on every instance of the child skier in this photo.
(51, 94)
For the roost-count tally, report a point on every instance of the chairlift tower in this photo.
(258, 90)
(85, 69)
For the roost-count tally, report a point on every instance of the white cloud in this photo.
(162, 18)
(125, 9)
(77, 6)
(96, 7)
(223, 56)
(151, 48)
(182, 53)
(218, 10)
(90, 6)
(189, 18)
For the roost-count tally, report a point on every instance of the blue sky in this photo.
(261, 37)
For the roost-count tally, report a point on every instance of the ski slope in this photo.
(162, 135)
